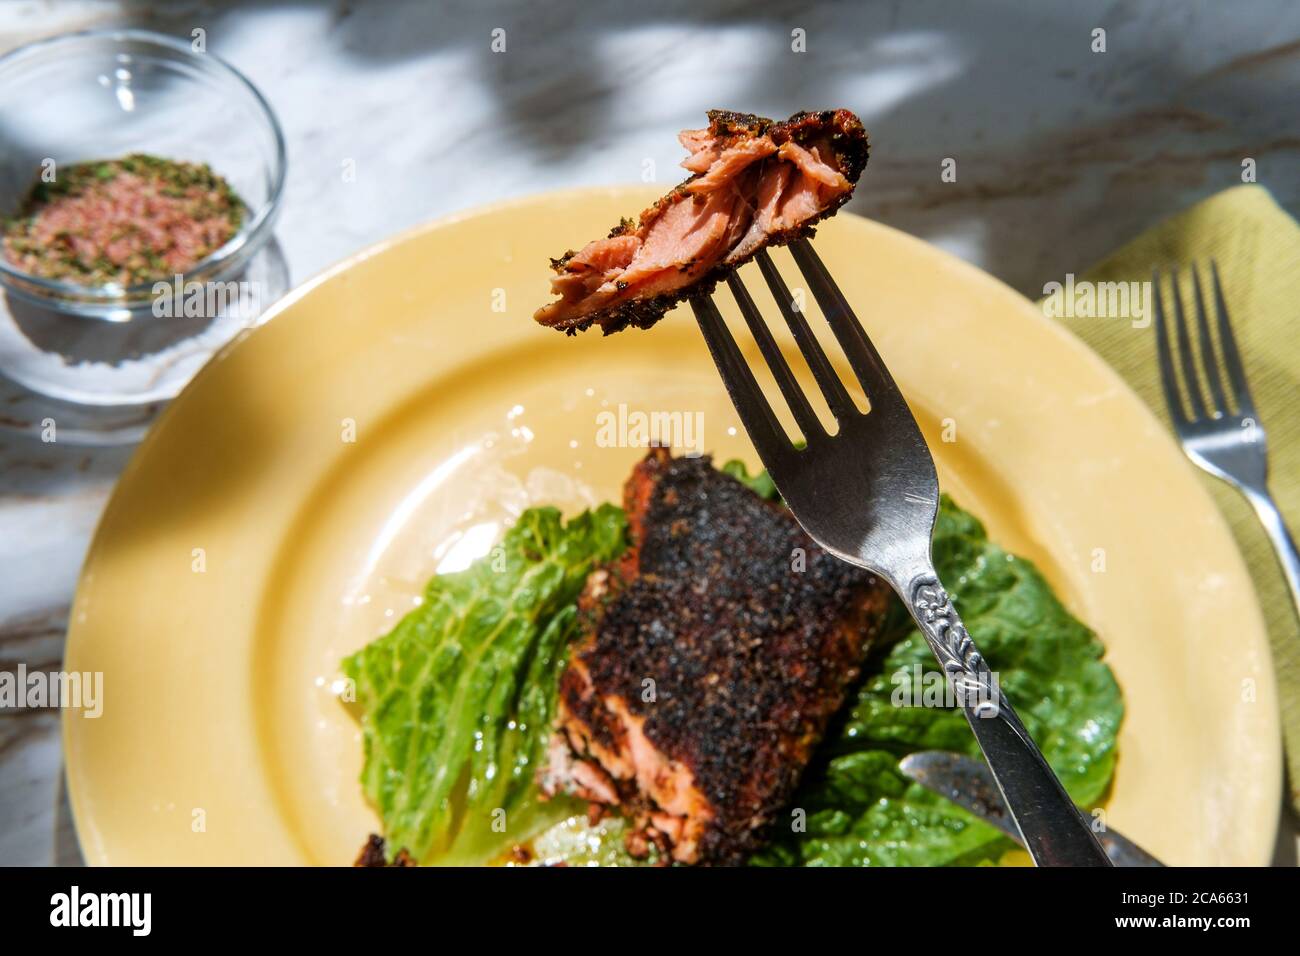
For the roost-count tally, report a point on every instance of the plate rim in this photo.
(632, 193)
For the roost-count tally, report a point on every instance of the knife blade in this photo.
(968, 783)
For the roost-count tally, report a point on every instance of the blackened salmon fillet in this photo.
(713, 655)
(754, 183)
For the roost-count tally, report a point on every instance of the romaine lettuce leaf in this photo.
(861, 811)
(456, 701)
(760, 483)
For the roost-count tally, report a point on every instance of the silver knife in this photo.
(969, 784)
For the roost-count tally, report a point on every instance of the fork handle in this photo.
(1271, 518)
(1055, 832)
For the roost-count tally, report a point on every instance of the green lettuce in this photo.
(456, 701)
(859, 810)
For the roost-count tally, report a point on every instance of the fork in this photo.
(1229, 445)
(869, 495)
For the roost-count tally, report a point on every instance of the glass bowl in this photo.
(103, 94)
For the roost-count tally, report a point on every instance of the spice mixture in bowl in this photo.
(126, 221)
(128, 158)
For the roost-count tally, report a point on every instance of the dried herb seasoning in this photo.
(123, 222)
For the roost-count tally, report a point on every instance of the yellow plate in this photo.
(403, 407)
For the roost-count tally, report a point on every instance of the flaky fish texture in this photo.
(713, 654)
(754, 183)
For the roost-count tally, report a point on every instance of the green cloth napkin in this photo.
(1257, 247)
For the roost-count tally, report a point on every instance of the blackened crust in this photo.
(373, 855)
(749, 631)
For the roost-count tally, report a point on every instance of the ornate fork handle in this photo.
(953, 646)
(1054, 829)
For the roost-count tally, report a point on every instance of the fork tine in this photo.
(1191, 384)
(755, 413)
(862, 355)
(794, 396)
(1231, 357)
(1209, 359)
(837, 397)
(1168, 377)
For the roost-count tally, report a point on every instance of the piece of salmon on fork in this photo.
(755, 183)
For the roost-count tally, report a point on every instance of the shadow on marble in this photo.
(78, 340)
(1062, 153)
(67, 851)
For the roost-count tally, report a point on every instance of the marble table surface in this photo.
(1062, 153)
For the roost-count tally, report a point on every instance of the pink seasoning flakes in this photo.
(129, 221)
